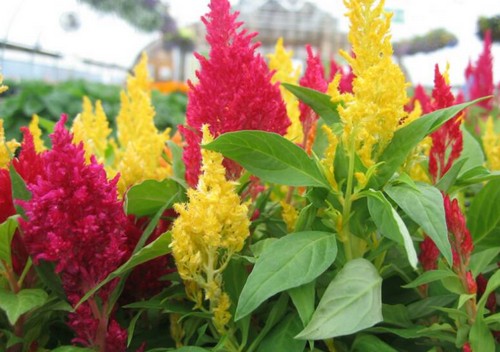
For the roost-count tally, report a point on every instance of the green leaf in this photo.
(191, 349)
(303, 298)
(24, 301)
(390, 224)
(351, 303)
(484, 214)
(7, 230)
(443, 332)
(407, 138)
(426, 208)
(321, 103)
(451, 175)
(149, 196)
(472, 153)
(19, 190)
(396, 314)
(426, 306)
(480, 336)
(480, 261)
(430, 276)
(271, 157)
(370, 343)
(155, 249)
(291, 261)
(282, 335)
(72, 349)
(178, 167)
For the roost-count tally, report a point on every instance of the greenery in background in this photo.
(491, 23)
(429, 42)
(50, 100)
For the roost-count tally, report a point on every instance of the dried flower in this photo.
(234, 91)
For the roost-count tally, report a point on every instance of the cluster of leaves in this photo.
(489, 23)
(50, 100)
(429, 42)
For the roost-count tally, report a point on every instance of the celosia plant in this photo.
(381, 234)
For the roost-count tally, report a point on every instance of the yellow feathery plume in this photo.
(329, 157)
(491, 144)
(7, 148)
(92, 128)
(281, 62)
(137, 134)
(36, 132)
(372, 114)
(210, 228)
(3, 88)
(289, 215)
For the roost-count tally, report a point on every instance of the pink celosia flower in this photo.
(314, 78)
(234, 91)
(345, 84)
(75, 220)
(429, 254)
(29, 163)
(479, 77)
(6, 205)
(491, 302)
(422, 97)
(447, 141)
(459, 235)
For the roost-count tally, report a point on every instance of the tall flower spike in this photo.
(313, 78)
(491, 145)
(139, 153)
(479, 77)
(7, 148)
(209, 229)
(234, 90)
(281, 62)
(372, 114)
(75, 220)
(447, 141)
(36, 132)
(92, 129)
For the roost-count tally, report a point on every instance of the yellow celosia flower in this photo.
(491, 144)
(92, 128)
(7, 148)
(3, 88)
(36, 132)
(140, 145)
(289, 215)
(372, 114)
(329, 158)
(281, 62)
(209, 229)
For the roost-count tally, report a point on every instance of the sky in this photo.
(109, 39)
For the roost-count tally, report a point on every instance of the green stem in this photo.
(346, 212)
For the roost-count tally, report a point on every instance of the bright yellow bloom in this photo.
(372, 114)
(209, 229)
(92, 128)
(140, 145)
(3, 88)
(36, 132)
(7, 148)
(281, 62)
(491, 144)
(289, 215)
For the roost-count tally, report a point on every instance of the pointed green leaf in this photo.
(321, 103)
(271, 157)
(7, 230)
(24, 301)
(282, 335)
(291, 261)
(430, 276)
(484, 215)
(480, 336)
(19, 190)
(370, 343)
(303, 298)
(390, 224)
(149, 196)
(425, 207)
(407, 137)
(351, 303)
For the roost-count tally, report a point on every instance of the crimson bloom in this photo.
(234, 90)
(75, 220)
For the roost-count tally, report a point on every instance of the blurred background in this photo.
(52, 52)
